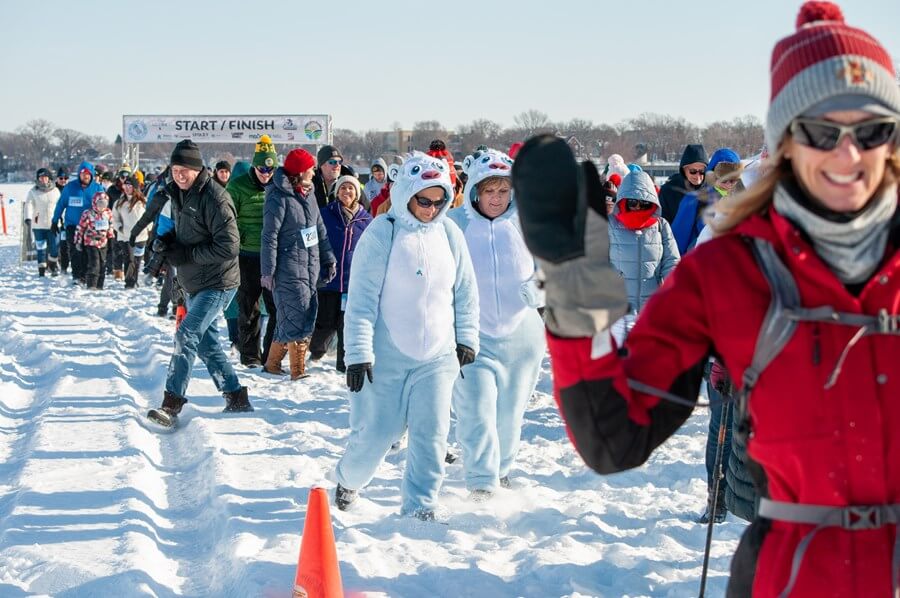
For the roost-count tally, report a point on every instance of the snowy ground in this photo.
(94, 503)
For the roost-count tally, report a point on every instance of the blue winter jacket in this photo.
(294, 250)
(75, 199)
(343, 236)
(642, 257)
(689, 220)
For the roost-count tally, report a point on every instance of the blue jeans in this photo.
(712, 439)
(44, 240)
(197, 336)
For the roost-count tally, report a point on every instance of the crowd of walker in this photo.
(443, 284)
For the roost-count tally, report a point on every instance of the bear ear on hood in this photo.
(393, 171)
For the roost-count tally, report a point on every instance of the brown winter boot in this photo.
(297, 351)
(119, 274)
(277, 351)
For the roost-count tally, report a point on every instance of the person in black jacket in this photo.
(331, 166)
(204, 248)
(689, 178)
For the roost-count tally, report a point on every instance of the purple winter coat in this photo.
(343, 236)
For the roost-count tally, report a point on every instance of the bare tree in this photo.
(424, 132)
(664, 136)
(532, 122)
(745, 135)
(480, 131)
(71, 145)
(37, 138)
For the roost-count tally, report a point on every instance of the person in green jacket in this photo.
(248, 193)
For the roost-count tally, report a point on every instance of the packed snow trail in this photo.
(95, 502)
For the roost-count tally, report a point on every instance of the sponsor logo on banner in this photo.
(137, 130)
(290, 136)
(313, 130)
(289, 125)
(237, 134)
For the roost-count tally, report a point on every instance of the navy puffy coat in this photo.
(295, 247)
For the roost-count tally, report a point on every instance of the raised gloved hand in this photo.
(562, 207)
(267, 282)
(329, 272)
(356, 375)
(464, 355)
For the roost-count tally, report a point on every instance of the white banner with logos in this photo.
(288, 129)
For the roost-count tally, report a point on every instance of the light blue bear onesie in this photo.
(407, 309)
(490, 401)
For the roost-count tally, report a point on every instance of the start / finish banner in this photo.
(292, 129)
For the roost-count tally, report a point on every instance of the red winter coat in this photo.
(809, 445)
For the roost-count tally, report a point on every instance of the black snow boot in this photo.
(721, 511)
(237, 401)
(344, 497)
(42, 270)
(54, 268)
(167, 415)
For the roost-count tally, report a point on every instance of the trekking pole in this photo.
(717, 478)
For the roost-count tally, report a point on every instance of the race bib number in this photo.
(76, 201)
(138, 251)
(101, 224)
(310, 236)
(343, 301)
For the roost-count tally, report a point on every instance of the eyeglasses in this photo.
(637, 205)
(265, 169)
(825, 135)
(727, 182)
(334, 162)
(694, 171)
(427, 203)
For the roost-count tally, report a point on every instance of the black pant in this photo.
(96, 267)
(121, 256)
(78, 259)
(111, 255)
(248, 310)
(165, 293)
(329, 320)
(132, 263)
(64, 254)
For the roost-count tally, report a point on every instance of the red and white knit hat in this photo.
(824, 60)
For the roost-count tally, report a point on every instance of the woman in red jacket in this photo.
(798, 297)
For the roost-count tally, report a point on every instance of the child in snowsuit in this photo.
(490, 400)
(411, 322)
(92, 236)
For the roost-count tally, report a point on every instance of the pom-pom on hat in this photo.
(825, 60)
(264, 155)
(298, 161)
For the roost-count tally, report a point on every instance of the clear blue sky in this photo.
(371, 64)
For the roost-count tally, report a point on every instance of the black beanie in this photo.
(187, 154)
(223, 165)
(326, 153)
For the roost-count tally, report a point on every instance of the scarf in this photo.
(47, 187)
(636, 220)
(349, 211)
(853, 249)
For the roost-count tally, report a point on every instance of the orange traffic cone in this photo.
(318, 574)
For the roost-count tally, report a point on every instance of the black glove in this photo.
(28, 222)
(562, 208)
(177, 254)
(54, 228)
(465, 355)
(356, 375)
(329, 272)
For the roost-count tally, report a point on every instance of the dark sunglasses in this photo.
(826, 135)
(265, 169)
(334, 162)
(427, 203)
(637, 204)
(694, 171)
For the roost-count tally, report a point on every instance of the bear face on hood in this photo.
(481, 165)
(419, 171)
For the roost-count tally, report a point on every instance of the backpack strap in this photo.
(777, 327)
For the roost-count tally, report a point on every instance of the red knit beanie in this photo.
(826, 60)
(298, 161)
